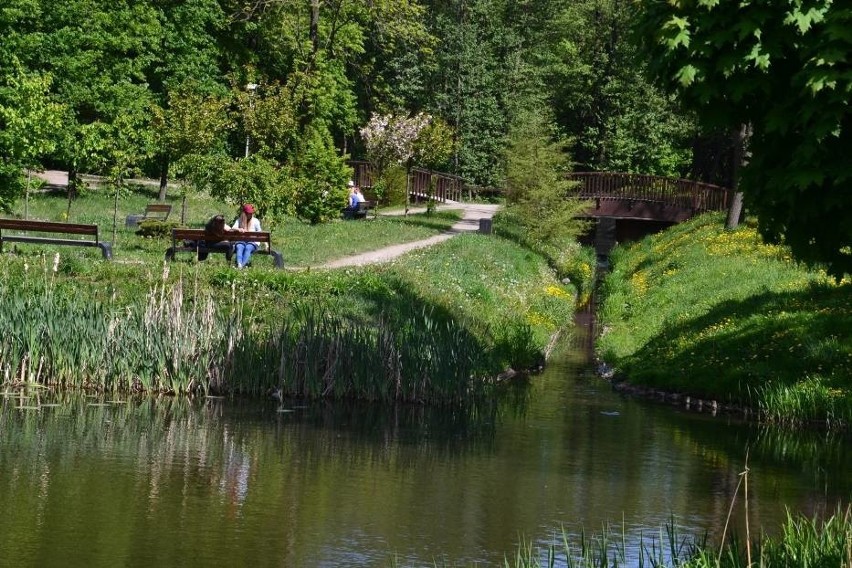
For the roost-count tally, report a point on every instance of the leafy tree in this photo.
(28, 121)
(393, 140)
(616, 119)
(537, 191)
(120, 147)
(318, 178)
(191, 133)
(781, 67)
(471, 84)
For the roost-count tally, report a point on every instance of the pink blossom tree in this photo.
(391, 139)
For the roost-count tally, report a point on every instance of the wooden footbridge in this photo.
(625, 206)
(652, 198)
(629, 206)
(446, 188)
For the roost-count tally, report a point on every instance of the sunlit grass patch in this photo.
(701, 310)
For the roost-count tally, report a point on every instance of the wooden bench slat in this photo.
(48, 227)
(25, 225)
(199, 236)
(159, 211)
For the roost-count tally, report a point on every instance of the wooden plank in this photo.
(48, 227)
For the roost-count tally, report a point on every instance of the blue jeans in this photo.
(244, 251)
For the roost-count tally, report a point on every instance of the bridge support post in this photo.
(604, 236)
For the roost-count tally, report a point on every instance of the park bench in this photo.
(156, 211)
(203, 243)
(361, 213)
(18, 226)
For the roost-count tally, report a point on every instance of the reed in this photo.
(176, 340)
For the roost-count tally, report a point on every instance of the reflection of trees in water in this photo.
(805, 471)
(217, 443)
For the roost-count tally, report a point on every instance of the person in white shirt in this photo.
(245, 223)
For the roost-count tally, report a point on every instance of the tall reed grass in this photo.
(177, 340)
(802, 543)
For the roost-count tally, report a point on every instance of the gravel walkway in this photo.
(469, 222)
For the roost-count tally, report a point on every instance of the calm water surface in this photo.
(229, 483)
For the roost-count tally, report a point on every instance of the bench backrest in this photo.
(158, 210)
(49, 227)
(202, 235)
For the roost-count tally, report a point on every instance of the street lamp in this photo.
(251, 88)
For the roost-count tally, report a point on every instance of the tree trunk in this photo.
(27, 195)
(740, 159)
(164, 177)
(735, 211)
(115, 212)
(314, 31)
(72, 189)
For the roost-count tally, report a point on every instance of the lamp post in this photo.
(251, 88)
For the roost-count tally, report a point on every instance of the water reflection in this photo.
(227, 482)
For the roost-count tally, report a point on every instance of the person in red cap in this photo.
(245, 223)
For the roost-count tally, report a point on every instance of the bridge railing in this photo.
(688, 194)
(447, 187)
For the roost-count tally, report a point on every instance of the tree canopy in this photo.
(781, 67)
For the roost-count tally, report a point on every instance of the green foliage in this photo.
(778, 67)
(434, 145)
(537, 193)
(11, 185)
(319, 176)
(256, 180)
(390, 186)
(192, 133)
(156, 229)
(28, 118)
(615, 118)
(717, 313)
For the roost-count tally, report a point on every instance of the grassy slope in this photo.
(700, 310)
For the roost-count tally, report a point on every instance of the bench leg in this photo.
(106, 250)
(276, 256)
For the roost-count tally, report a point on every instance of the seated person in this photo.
(246, 222)
(353, 196)
(355, 200)
(215, 228)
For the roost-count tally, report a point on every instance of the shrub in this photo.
(156, 229)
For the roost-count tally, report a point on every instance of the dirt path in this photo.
(469, 222)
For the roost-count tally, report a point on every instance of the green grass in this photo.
(718, 314)
(507, 288)
(301, 244)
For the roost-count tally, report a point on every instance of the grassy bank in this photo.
(719, 315)
(437, 325)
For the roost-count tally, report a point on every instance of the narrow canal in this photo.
(231, 483)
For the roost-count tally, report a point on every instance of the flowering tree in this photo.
(391, 139)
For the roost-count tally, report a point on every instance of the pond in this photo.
(89, 482)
